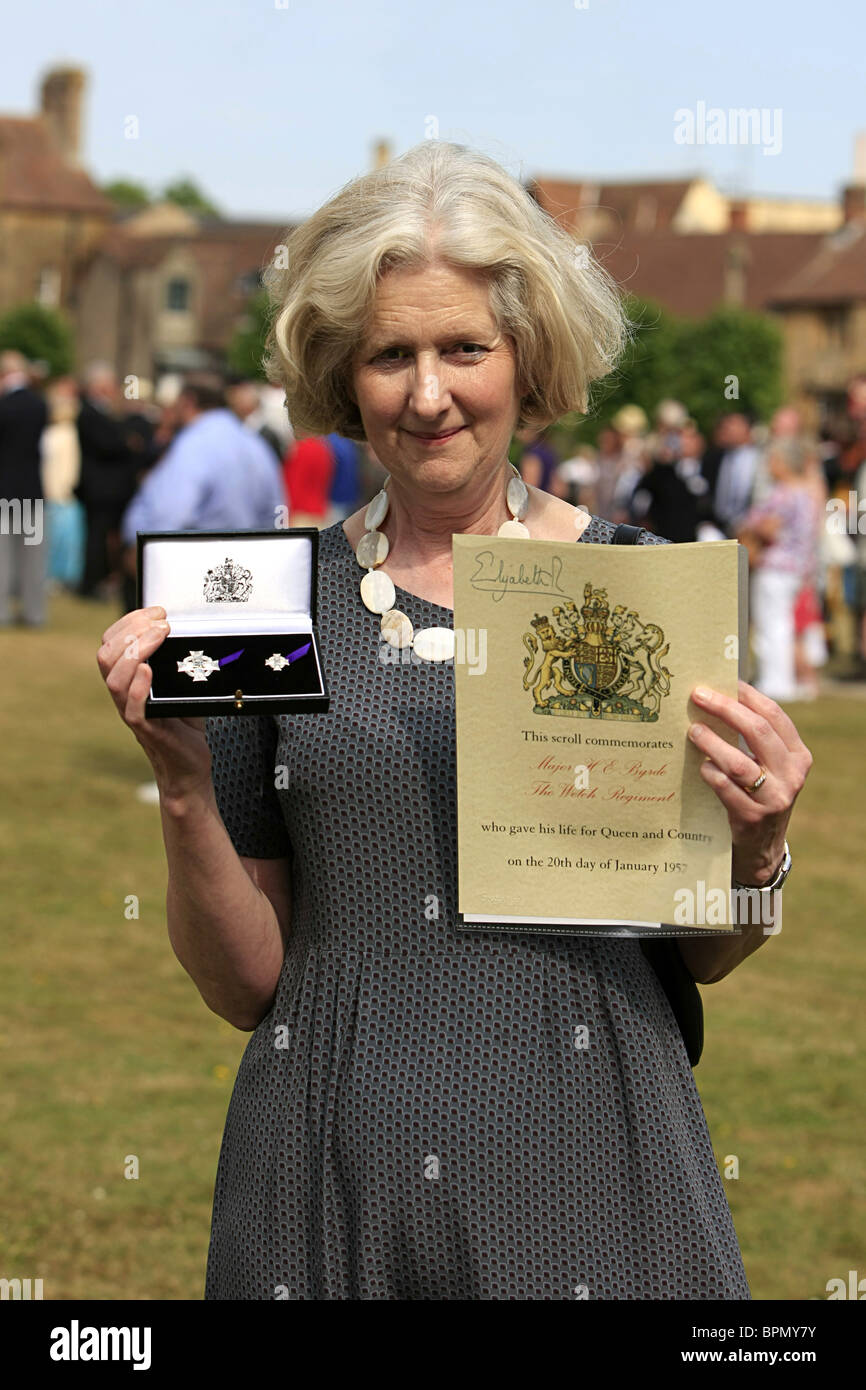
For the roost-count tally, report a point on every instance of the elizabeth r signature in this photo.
(494, 576)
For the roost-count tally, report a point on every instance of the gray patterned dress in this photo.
(412, 1119)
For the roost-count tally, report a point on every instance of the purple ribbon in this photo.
(290, 656)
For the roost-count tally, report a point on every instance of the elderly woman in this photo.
(410, 1118)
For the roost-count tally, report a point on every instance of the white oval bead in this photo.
(372, 550)
(513, 528)
(434, 644)
(377, 511)
(517, 498)
(397, 629)
(377, 591)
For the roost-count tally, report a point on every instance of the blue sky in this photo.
(271, 105)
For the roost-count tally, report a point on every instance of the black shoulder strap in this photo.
(625, 534)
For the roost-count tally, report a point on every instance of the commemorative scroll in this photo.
(581, 807)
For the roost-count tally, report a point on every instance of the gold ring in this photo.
(758, 782)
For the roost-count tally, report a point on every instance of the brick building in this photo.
(51, 212)
(163, 290)
(688, 248)
(160, 290)
(822, 306)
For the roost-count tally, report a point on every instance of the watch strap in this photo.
(775, 882)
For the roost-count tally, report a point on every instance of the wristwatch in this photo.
(775, 882)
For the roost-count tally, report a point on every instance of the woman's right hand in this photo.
(177, 748)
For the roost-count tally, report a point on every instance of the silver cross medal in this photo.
(198, 666)
(278, 661)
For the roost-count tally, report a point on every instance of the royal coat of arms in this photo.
(228, 582)
(594, 663)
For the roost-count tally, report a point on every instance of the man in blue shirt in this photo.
(214, 476)
(735, 480)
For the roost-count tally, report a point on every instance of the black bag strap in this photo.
(625, 534)
(663, 953)
(684, 997)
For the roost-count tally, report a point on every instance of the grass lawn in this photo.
(107, 1052)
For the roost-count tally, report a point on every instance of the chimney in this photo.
(854, 203)
(645, 213)
(382, 154)
(735, 272)
(738, 215)
(854, 195)
(62, 101)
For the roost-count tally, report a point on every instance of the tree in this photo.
(646, 373)
(127, 196)
(245, 351)
(649, 367)
(188, 195)
(730, 361)
(41, 334)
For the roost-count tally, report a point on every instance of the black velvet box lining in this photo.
(247, 672)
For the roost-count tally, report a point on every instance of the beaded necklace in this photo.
(377, 589)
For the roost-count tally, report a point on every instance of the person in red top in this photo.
(308, 470)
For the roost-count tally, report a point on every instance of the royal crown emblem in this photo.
(228, 582)
(602, 664)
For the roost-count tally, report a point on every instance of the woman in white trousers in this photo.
(785, 525)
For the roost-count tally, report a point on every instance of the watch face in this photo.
(786, 866)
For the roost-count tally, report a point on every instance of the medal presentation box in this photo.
(242, 610)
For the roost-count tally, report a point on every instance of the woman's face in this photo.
(432, 363)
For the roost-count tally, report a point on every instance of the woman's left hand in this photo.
(759, 819)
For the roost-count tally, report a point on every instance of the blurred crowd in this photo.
(109, 459)
(204, 452)
(796, 502)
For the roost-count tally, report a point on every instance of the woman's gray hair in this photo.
(446, 202)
